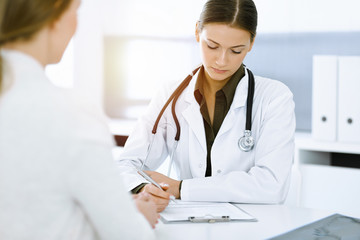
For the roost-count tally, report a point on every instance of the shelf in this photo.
(304, 141)
(324, 185)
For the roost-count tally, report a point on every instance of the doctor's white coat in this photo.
(259, 176)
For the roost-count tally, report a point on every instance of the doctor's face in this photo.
(223, 49)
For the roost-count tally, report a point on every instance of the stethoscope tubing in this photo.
(176, 94)
(174, 97)
(249, 101)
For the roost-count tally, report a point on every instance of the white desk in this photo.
(272, 221)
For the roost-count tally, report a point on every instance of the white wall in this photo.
(274, 16)
(161, 17)
(88, 51)
(156, 17)
(308, 15)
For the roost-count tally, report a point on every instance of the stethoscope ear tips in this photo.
(246, 142)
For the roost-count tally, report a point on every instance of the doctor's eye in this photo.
(236, 52)
(211, 47)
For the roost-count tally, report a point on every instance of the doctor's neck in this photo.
(211, 85)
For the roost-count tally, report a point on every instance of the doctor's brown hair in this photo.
(235, 13)
(20, 20)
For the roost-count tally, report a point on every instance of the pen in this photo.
(148, 178)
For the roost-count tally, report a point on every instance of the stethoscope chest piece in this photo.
(246, 142)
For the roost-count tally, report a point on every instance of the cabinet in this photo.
(322, 185)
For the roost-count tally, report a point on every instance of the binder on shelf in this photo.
(349, 99)
(203, 212)
(324, 97)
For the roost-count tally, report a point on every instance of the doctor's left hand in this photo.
(173, 188)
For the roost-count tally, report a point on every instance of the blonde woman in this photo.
(57, 176)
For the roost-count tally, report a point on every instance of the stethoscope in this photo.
(245, 143)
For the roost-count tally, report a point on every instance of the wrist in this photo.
(139, 188)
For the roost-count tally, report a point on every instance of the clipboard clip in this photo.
(209, 219)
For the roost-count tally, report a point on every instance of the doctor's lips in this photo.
(219, 71)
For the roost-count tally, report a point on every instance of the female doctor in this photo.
(213, 159)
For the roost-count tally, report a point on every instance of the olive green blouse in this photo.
(224, 98)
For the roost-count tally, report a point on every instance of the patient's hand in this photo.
(147, 207)
(159, 197)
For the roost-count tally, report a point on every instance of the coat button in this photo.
(218, 171)
(200, 165)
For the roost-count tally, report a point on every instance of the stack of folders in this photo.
(336, 226)
(203, 212)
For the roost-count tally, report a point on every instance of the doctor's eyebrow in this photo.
(241, 45)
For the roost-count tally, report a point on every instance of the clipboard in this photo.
(203, 212)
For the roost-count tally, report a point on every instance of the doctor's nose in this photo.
(221, 59)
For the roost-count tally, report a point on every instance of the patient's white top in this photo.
(57, 175)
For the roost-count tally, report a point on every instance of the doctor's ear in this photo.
(197, 31)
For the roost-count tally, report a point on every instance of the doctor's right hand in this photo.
(158, 196)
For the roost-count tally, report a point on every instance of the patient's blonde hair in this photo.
(20, 20)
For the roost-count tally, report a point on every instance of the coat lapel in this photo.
(239, 101)
(194, 118)
(192, 114)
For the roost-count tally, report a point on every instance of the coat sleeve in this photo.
(268, 180)
(94, 183)
(96, 186)
(144, 146)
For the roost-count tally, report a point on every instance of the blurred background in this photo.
(124, 49)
